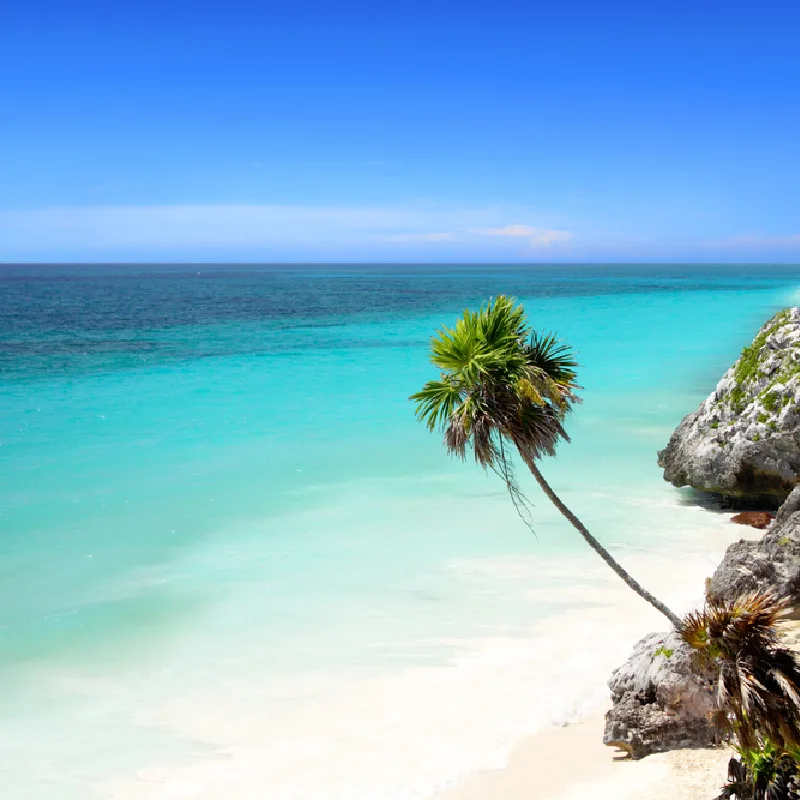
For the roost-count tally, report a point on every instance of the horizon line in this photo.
(377, 262)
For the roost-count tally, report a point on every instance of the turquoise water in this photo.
(232, 565)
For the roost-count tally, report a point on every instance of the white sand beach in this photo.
(571, 763)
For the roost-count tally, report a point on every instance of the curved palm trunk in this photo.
(597, 547)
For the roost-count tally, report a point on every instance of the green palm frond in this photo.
(499, 380)
(501, 322)
(482, 343)
(553, 356)
(454, 349)
(553, 369)
(437, 402)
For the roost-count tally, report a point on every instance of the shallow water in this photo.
(233, 566)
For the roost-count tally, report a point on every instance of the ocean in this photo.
(234, 567)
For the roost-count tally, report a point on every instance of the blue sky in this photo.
(442, 131)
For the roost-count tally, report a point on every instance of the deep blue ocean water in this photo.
(229, 557)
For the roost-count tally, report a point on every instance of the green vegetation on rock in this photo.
(748, 370)
(771, 400)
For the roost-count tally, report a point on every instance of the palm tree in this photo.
(758, 680)
(504, 387)
(757, 691)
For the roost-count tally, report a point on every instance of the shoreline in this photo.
(570, 762)
(555, 762)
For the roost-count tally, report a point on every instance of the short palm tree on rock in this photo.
(503, 388)
(757, 691)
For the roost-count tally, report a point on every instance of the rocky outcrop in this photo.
(662, 699)
(744, 440)
(662, 695)
(771, 563)
(789, 508)
(755, 519)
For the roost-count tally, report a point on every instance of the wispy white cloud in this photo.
(537, 237)
(362, 233)
(263, 230)
(508, 230)
(545, 238)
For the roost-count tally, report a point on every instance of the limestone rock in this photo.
(744, 440)
(663, 694)
(790, 507)
(755, 519)
(771, 563)
(662, 699)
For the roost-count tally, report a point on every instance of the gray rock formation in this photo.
(789, 508)
(771, 563)
(744, 440)
(662, 699)
(662, 695)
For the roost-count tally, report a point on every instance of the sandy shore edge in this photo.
(572, 763)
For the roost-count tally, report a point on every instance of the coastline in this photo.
(568, 761)
(381, 632)
(534, 756)
(571, 762)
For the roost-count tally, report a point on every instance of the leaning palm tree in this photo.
(503, 388)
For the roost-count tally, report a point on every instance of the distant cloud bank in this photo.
(422, 232)
(267, 230)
